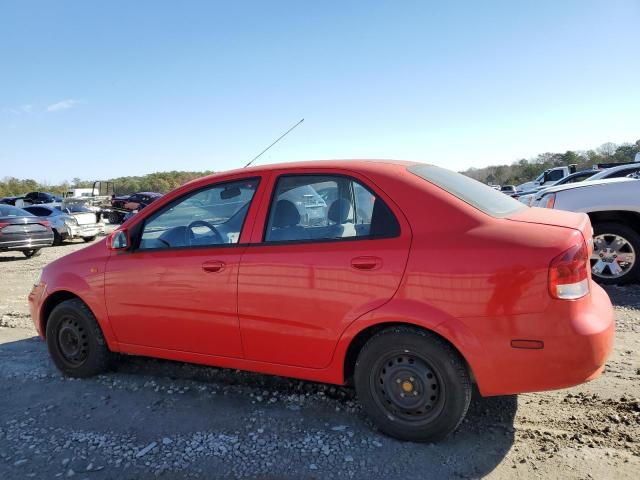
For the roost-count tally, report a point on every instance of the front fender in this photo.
(88, 287)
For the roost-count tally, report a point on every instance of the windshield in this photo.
(10, 211)
(481, 196)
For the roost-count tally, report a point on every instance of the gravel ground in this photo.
(158, 419)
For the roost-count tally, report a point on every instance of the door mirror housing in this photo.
(118, 240)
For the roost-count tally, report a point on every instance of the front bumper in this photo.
(36, 297)
(576, 347)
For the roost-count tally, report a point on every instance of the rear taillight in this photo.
(569, 273)
(549, 201)
(45, 223)
(3, 224)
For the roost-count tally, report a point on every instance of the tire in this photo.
(89, 239)
(114, 218)
(75, 341)
(57, 238)
(423, 369)
(606, 235)
(34, 252)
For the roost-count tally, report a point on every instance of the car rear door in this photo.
(328, 248)
(177, 289)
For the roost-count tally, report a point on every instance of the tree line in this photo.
(524, 170)
(161, 182)
(518, 172)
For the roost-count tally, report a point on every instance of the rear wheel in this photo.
(114, 218)
(616, 248)
(413, 384)
(89, 239)
(34, 252)
(76, 343)
(57, 238)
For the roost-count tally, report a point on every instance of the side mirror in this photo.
(118, 240)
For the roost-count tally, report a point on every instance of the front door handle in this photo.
(366, 263)
(213, 266)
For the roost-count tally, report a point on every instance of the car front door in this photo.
(177, 288)
(327, 249)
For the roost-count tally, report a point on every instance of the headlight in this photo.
(71, 221)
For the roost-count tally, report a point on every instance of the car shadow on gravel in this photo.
(227, 423)
(624, 296)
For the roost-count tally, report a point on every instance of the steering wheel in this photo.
(202, 223)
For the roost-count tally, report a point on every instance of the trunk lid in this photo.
(558, 218)
(85, 218)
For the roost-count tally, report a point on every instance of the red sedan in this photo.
(407, 280)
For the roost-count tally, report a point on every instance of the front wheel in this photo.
(34, 252)
(89, 239)
(413, 384)
(74, 339)
(616, 248)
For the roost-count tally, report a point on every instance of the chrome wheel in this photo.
(613, 256)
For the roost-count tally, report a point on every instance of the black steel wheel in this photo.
(76, 343)
(409, 387)
(72, 341)
(412, 383)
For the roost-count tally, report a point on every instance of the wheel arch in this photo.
(57, 297)
(629, 218)
(449, 329)
(359, 341)
(53, 300)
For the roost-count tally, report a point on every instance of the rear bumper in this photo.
(575, 350)
(23, 242)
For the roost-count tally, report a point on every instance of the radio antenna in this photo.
(277, 140)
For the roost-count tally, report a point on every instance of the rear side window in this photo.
(481, 196)
(327, 207)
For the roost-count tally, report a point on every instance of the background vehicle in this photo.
(617, 171)
(135, 200)
(22, 231)
(69, 223)
(508, 189)
(38, 198)
(613, 205)
(19, 200)
(376, 300)
(548, 176)
(82, 192)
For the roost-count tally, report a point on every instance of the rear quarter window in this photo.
(477, 194)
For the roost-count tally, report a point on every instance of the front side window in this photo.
(327, 207)
(207, 217)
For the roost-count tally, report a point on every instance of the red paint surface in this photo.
(293, 309)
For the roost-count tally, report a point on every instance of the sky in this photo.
(106, 89)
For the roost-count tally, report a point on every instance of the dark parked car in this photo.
(135, 201)
(38, 198)
(11, 200)
(22, 231)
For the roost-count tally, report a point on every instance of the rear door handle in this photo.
(366, 263)
(213, 266)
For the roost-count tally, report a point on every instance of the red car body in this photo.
(304, 309)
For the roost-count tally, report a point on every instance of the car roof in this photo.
(627, 166)
(590, 183)
(351, 164)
